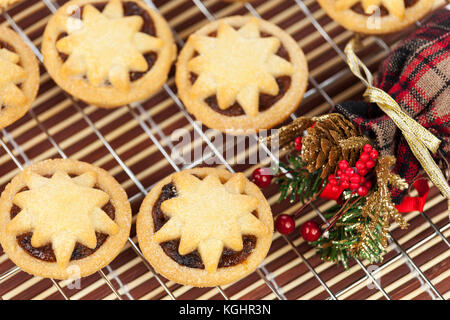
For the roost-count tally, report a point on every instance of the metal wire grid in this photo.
(141, 113)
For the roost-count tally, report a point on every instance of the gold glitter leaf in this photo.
(379, 204)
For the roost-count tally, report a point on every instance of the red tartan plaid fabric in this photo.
(417, 75)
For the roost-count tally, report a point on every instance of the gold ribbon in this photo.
(419, 139)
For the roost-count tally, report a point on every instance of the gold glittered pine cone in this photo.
(331, 139)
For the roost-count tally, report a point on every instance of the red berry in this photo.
(339, 173)
(355, 173)
(335, 189)
(370, 164)
(363, 172)
(310, 231)
(343, 164)
(262, 177)
(360, 165)
(284, 224)
(373, 154)
(345, 184)
(355, 178)
(367, 148)
(345, 177)
(361, 179)
(349, 171)
(362, 191)
(368, 185)
(364, 156)
(354, 186)
(298, 143)
(333, 182)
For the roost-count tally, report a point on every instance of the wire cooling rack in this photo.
(133, 143)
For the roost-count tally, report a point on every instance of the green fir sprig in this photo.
(345, 239)
(297, 183)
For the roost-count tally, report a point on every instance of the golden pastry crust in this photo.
(32, 177)
(398, 18)
(5, 4)
(19, 66)
(102, 48)
(239, 186)
(244, 83)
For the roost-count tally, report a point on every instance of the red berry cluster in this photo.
(366, 160)
(353, 178)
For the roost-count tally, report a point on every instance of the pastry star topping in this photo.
(396, 7)
(208, 215)
(106, 46)
(237, 65)
(11, 74)
(62, 211)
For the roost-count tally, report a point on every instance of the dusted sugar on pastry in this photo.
(205, 227)
(376, 16)
(19, 77)
(108, 53)
(241, 74)
(63, 219)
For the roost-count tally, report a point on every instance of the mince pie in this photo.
(63, 219)
(19, 77)
(108, 53)
(376, 16)
(241, 73)
(205, 227)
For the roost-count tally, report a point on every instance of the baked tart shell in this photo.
(76, 268)
(109, 96)
(30, 86)
(244, 124)
(359, 23)
(170, 269)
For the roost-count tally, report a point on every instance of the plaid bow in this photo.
(417, 75)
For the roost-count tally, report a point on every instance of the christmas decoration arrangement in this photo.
(331, 159)
(367, 155)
